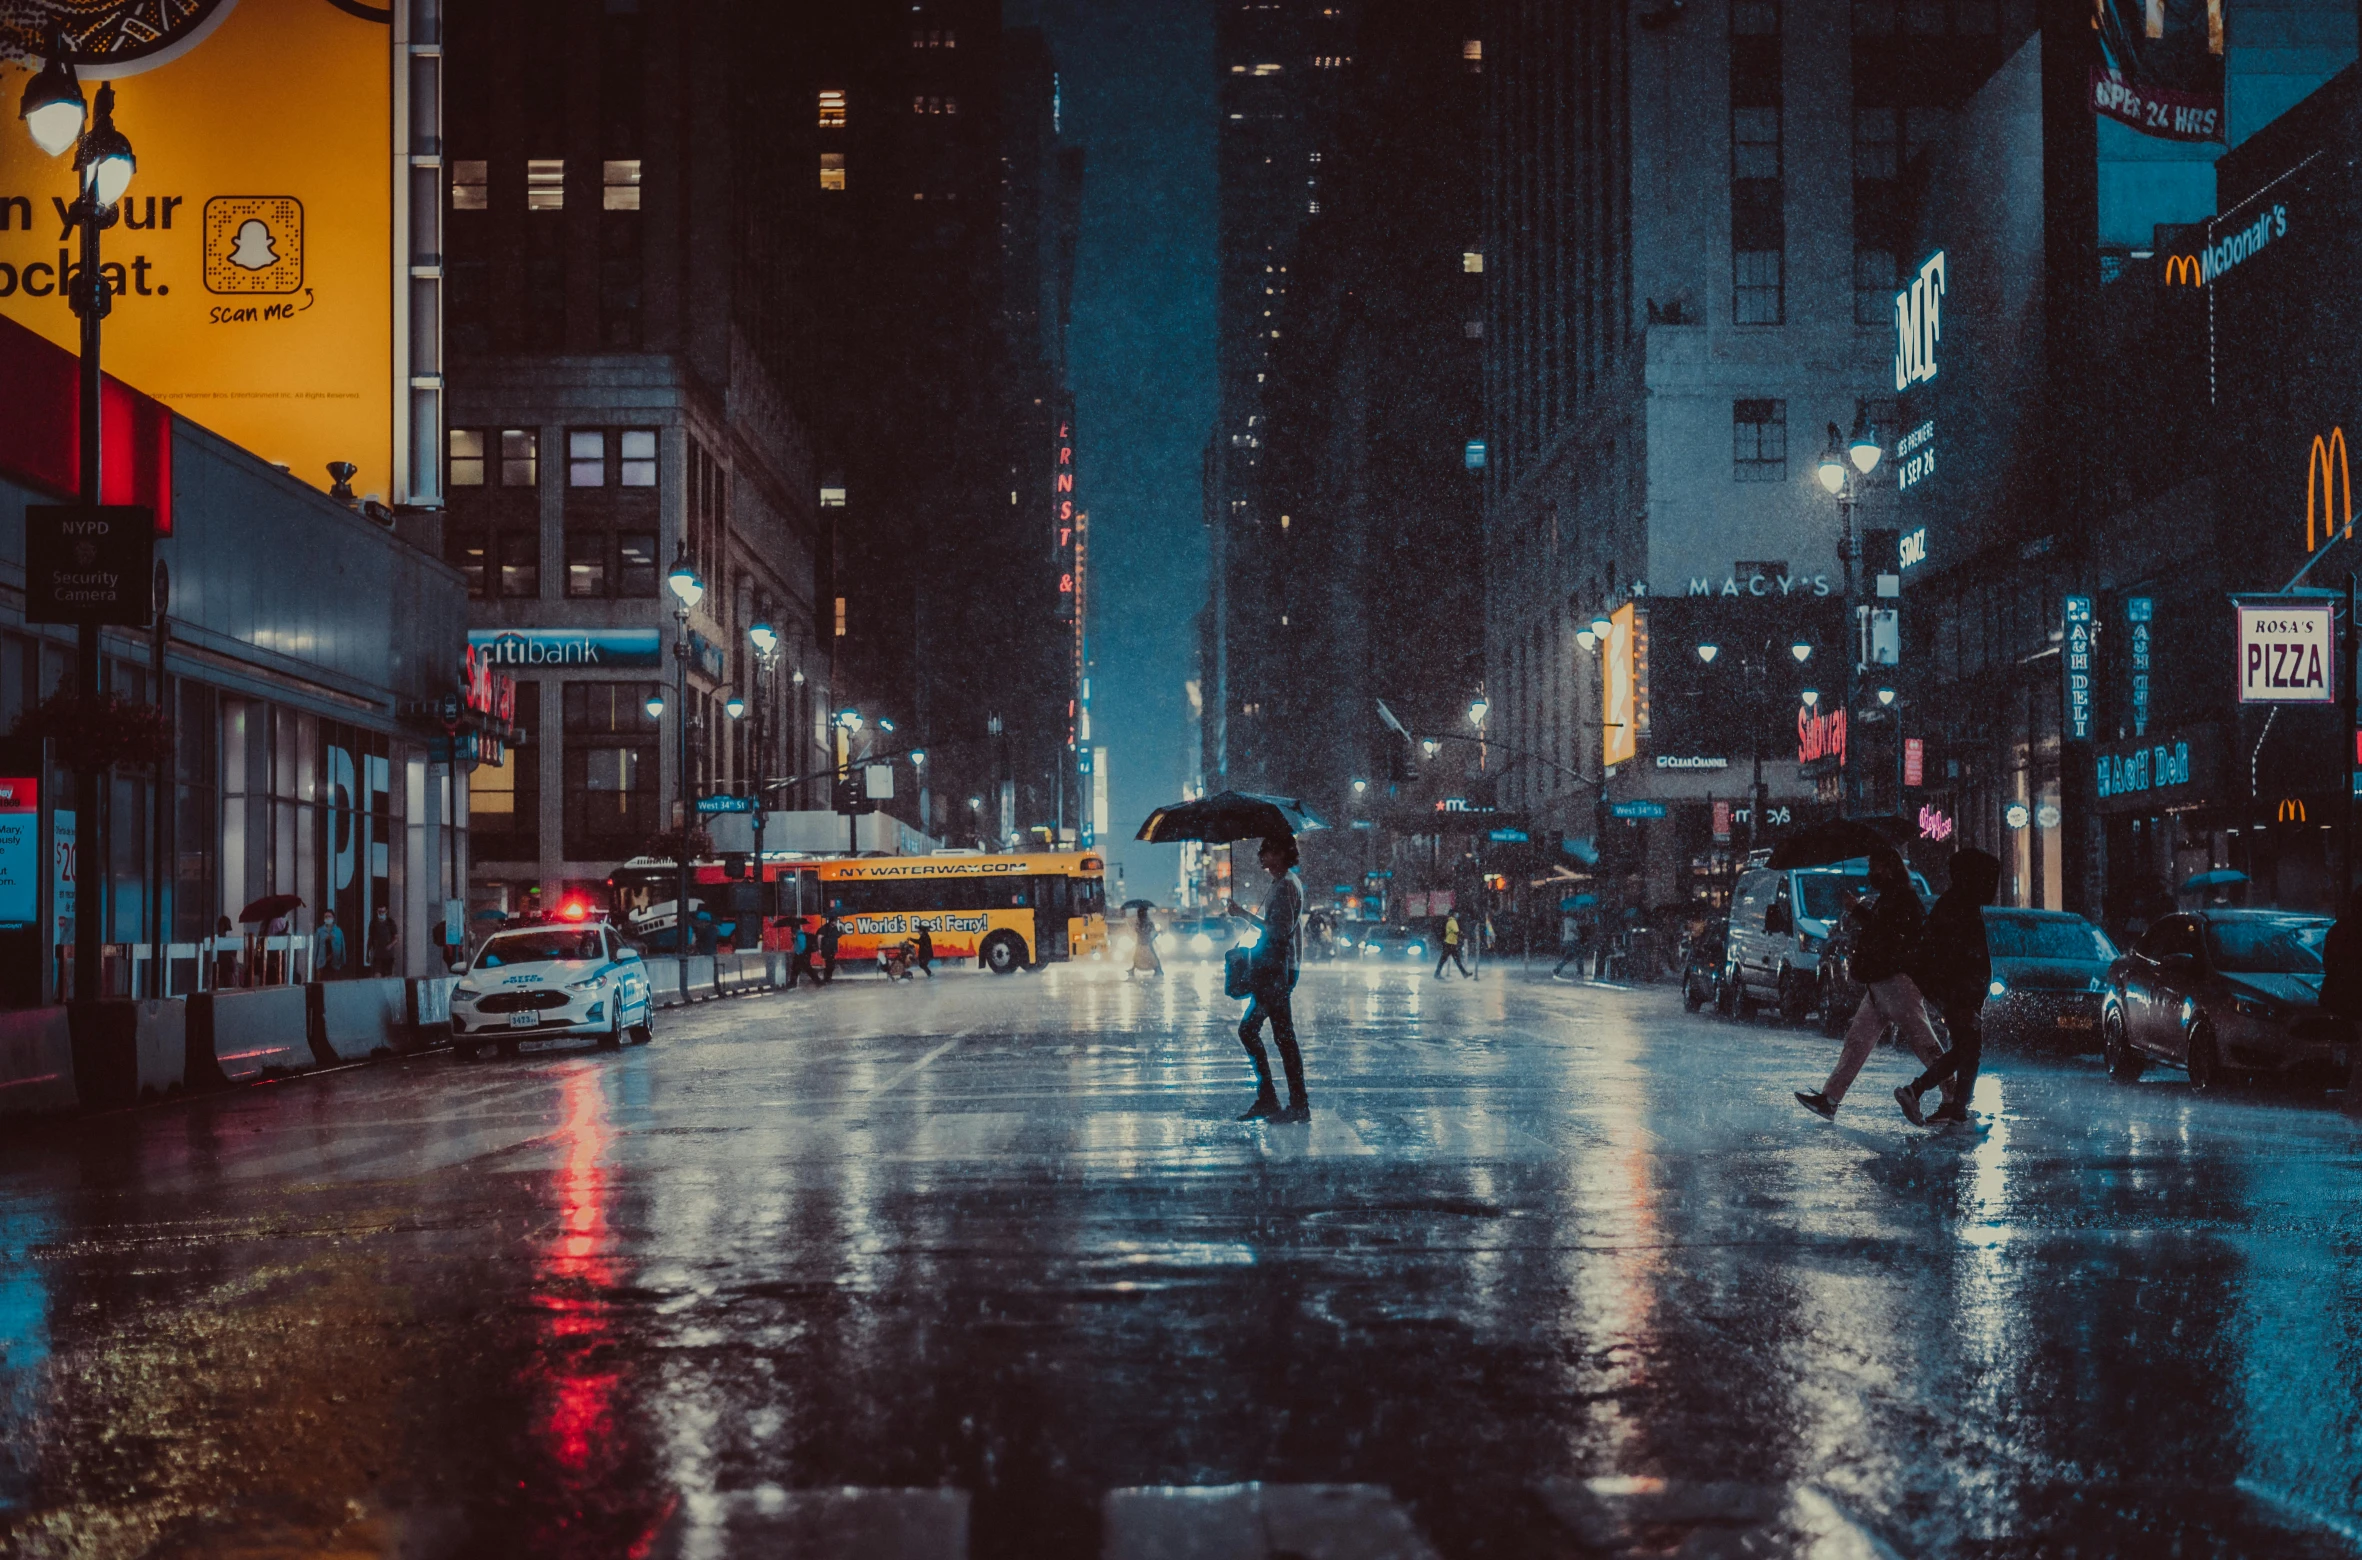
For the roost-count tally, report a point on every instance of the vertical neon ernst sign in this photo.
(1064, 521)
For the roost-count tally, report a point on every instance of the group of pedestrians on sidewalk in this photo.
(1907, 958)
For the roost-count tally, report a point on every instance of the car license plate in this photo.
(2075, 1021)
(522, 1020)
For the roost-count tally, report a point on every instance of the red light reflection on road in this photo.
(571, 1280)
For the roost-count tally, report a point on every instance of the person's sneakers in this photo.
(1265, 1105)
(1818, 1103)
(1298, 1112)
(1908, 1098)
(1950, 1113)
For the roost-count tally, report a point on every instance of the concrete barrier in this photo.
(163, 1042)
(701, 977)
(248, 1033)
(664, 981)
(36, 1061)
(364, 1017)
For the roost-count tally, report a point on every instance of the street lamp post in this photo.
(1757, 668)
(54, 114)
(688, 588)
(1842, 469)
(765, 640)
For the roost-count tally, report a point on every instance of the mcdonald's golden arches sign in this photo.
(2329, 480)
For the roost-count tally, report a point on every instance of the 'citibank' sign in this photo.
(588, 648)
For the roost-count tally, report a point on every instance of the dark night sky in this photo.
(1138, 80)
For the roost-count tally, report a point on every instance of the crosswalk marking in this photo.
(839, 1524)
(1258, 1522)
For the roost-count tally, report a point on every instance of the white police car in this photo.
(547, 981)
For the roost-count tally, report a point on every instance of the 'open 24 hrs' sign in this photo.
(2287, 652)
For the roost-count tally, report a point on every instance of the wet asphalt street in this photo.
(983, 1267)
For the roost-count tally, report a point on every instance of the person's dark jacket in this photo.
(926, 948)
(2341, 965)
(830, 931)
(1890, 936)
(1955, 965)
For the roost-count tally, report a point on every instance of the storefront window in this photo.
(611, 767)
(504, 801)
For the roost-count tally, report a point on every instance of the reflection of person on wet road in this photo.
(1954, 968)
(1451, 946)
(1272, 970)
(1888, 944)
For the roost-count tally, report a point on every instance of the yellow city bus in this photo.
(1008, 912)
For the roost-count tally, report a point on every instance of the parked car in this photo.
(2050, 972)
(1779, 923)
(2220, 993)
(1703, 958)
(547, 982)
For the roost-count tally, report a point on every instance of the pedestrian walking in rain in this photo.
(384, 938)
(1882, 961)
(799, 952)
(1272, 968)
(1451, 945)
(922, 958)
(1954, 968)
(2341, 990)
(327, 948)
(830, 932)
(1574, 947)
(1144, 959)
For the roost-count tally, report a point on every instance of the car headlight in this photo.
(2251, 1007)
(466, 994)
(1415, 948)
(1997, 987)
(1201, 943)
(1369, 950)
(587, 983)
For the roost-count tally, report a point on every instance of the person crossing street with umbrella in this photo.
(1273, 967)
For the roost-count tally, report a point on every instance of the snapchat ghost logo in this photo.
(254, 249)
(253, 244)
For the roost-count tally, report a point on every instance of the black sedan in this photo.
(2050, 971)
(2221, 993)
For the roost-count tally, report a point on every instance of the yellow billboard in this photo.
(252, 256)
(1619, 677)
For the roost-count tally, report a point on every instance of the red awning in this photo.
(39, 436)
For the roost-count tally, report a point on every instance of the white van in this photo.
(1779, 922)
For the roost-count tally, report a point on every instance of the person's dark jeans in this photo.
(1956, 1069)
(1577, 955)
(1274, 1006)
(1451, 955)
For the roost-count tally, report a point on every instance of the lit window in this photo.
(1475, 329)
(635, 563)
(1312, 207)
(471, 180)
(1472, 50)
(832, 110)
(832, 170)
(1472, 261)
(639, 458)
(832, 498)
(586, 565)
(619, 183)
(545, 184)
(1472, 455)
(520, 457)
(1266, 70)
(467, 457)
(586, 459)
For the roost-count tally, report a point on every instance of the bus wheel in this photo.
(1003, 953)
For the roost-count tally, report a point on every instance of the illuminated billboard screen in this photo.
(253, 252)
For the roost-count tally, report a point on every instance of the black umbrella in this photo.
(1840, 839)
(1232, 815)
(1131, 905)
(269, 908)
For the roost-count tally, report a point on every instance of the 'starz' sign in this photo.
(2287, 652)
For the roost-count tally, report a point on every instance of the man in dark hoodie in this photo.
(1882, 961)
(1954, 969)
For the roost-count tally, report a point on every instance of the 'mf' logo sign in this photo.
(1919, 323)
(2183, 270)
(2327, 479)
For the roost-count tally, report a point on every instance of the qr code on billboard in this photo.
(253, 244)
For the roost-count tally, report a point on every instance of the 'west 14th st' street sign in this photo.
(2287, 651)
